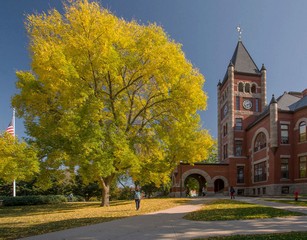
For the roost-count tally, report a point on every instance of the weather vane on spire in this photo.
(239, 30)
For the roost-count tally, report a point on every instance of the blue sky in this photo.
(274, 33)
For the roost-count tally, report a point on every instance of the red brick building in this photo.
(262, 147)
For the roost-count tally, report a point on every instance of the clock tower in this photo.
(241, 98)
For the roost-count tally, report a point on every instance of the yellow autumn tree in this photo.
(18, 161)
(106, 96)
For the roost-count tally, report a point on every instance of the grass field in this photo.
(17, 222)
(276, 236)
(22, 221)
(302, 203)
(224, 210)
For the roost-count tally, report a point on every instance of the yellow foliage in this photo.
(109, 95)
(17, 160)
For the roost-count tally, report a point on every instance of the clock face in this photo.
(247, 104)
(225, 110)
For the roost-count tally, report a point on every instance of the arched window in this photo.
(253, 89)
(240, 87)
(260, 142)
(247, 88)
(302, 130)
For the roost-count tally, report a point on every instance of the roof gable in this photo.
(287, 100)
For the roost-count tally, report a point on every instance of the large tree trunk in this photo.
(105, 184)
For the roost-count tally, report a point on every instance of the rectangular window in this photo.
(237, 103)
(225, 129)
(260, 172)
(303, 167)
(284, 134)
(284, 190)
(240, 174)
(302, 130)
(256, 104)
(240, 192)
(238, 147)
(284, 168)
(264, 191)
(239, 125)
(225, 151)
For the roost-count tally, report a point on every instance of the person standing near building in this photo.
(203, 191)
(232, 193)
(137, 198)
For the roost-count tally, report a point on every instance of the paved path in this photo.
(168, 224)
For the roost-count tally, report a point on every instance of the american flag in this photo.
(10, 129)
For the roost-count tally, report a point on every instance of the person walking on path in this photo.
(137, 198)
(232, 193)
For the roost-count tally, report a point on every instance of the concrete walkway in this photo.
(168, 224)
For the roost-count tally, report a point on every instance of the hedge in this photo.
(32, 200)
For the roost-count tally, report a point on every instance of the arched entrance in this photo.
(219, 185)
(193, 185)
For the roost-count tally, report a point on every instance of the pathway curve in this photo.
(169, 224)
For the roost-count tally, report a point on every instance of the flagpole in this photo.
(14, 182)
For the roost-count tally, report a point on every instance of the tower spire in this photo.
(239, 30)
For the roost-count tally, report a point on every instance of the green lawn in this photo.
(219, 210)
(276, 236)
(302, 203)
(22, 221)
(224, 210)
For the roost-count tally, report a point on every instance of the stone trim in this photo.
(226, 183)
(299, 121)
(200, 172)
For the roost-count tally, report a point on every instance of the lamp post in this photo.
(180, 180)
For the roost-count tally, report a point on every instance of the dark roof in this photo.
(288, 102)
(242, 61)
(299, 104)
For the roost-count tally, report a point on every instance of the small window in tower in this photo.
(247, 88)
(239, 124)
(253, 89)
(225, 130)
(237, 103)
(256, 104)
(225, 150)
(240, 88)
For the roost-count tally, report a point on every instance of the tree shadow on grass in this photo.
(42, 228)
(31, 210)
(12, 211)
